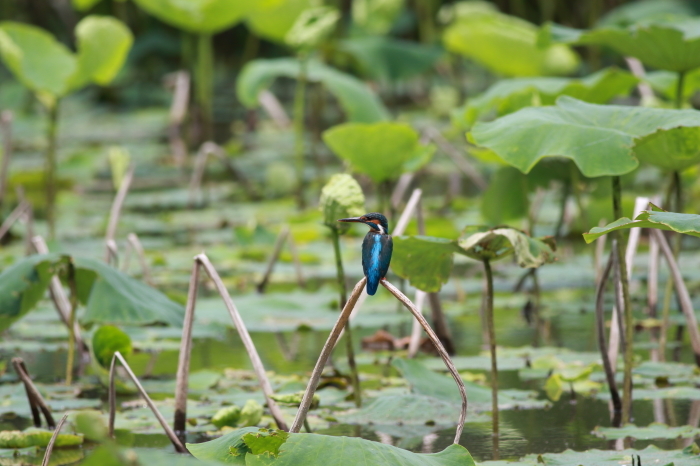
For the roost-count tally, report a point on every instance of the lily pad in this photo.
(250, 446)
(688, 224)
(652, 431)
(601, 139)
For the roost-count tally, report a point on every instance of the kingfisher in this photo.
(376, 248)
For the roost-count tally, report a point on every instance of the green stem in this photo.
(629, 324)
(342, 292)
(492, 348)
(680, 86)
(51, 187)
(299, 129)
(566, 192)
(204, 83)
(71, 323)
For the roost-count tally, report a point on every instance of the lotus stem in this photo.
(299, 128)
(71, 322)
(325, 354)
(133, 240)
(274, 257)
(492, 348)
(441, 351)
(114, 213)
(6, 133)
(342, 293)
(52, 442)
(36, 401)
(680, 86)
(629, 323)
(204, 83)
(608, 365)
(178, 110)
(51, 186)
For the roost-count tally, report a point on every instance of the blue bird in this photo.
(376, 248)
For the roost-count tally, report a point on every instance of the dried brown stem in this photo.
(52, 442)
(274, 257)
(15, 215)
(274, 109)
(36, 401)
(114, 214)
(178, 110)
(179, 447)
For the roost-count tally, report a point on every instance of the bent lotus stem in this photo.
(52, 442)
(183, 368)
(114, 212)
(179, 447)
(36, 401)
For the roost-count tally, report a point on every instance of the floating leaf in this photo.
(654, 430)
(202, 16)
(505, 44)
(317, 450)
(312, 27)
(601, 139)
(355, 98)
(688, 224)
(341, 197)
(425, 261)
(383, 151)
(501, 242)
(391, 59)
(107, 340)
(670, 43)
(510, 95)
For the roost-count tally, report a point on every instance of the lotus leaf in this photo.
(424, 260)
(501, 242)
(688, 224)
(652, 431)
(272, 19)
(200, 16)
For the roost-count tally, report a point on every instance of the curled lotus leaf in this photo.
(498, 243)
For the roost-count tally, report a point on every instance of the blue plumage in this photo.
(376, 248)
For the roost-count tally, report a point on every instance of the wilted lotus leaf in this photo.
(501, 242)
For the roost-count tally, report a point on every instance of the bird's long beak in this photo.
(352, 219)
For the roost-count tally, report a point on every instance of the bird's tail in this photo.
(372, 286)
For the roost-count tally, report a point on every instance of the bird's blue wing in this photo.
(376, 256)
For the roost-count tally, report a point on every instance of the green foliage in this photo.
(357, 101)
(480, 244)
(375, 16)
(106, 341)
(90, 424)
(509, 95)
(22, 285)
(666, 83)
(227, 416)
(251, 413)
(505, 44)
(36, 438)
(312, 27)
(383, 151)
(202, 16)
(655, 430)
(669, 43)
(669, 221)
(601, 139)
(635, 12)
(341, 197)
(505, 197)
(391, 59)
(650, 455)
(424, 260)
(253, 447)
(50, 70)
(272, 19)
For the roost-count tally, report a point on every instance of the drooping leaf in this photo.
(36, 59)
(383, 151)
(505, 44)
(375, 16)
(106, 341)
(22, 286)
(601, 139)
(669, 43)
(501, 242)
(341, 197)
(654, 430)
(510, 95)
(272, 19)
(688, 224)
(317, 450)
(103, 44)
(391, 59)
(312, 27)
(425, 261)
(356, 99)
(201, 16)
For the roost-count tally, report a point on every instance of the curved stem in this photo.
(492, 348)
(629, 324)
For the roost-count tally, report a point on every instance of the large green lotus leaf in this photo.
(356, 99)
(654, 430)
(425, 261)
(391, 59)
(501, 242)
(112, 297)
(383, 151)
(199, 16)
(103, 44)
(506, 197)
(506, 45)
(510, 95)
(36, 58)
(669, 221)
(650, 455)
(341, 197)
(272, 19)
(22, 285)
(253, 447)
(671, 44)
(601, 139)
